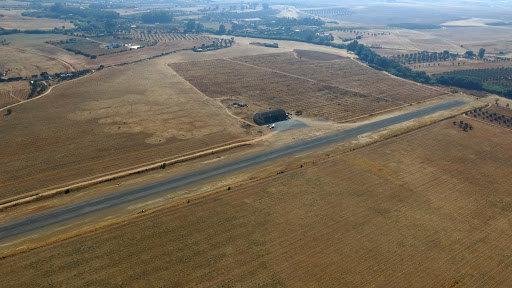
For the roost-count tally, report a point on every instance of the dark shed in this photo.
(268, 117)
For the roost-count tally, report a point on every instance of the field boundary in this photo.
(98, 179)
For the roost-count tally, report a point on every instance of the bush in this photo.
(8, 112)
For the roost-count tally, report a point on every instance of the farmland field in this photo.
(429, 208)
(159, 36)
(22, 63)
(13, 92)
(337, 90)
(113, 119)
(13, 19)
(401, 39)
(36, 44)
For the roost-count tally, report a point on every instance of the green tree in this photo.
(190, 26)
(222, 30)
(481, 53)
(469, 54)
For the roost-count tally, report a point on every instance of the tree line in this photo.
(385, 64)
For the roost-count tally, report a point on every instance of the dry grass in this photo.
(113, 119)
(35, 44)
(431, 208)
(337, 90)
(22, 63)
(404, 40)
(465, 64)
(13, 92)
(493, 39)
(12, 19)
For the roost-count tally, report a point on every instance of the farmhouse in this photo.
(268, 117)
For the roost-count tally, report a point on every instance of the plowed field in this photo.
(337, 90)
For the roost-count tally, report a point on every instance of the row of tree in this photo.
(389, 65)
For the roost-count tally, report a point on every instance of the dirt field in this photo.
(113, 119)
(430, 208)
(336, 90)
(12, 19)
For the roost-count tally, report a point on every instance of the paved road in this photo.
(59, 215)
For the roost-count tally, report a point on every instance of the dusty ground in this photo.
(430, 208)
(113, 119)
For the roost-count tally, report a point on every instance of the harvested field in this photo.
(13, 92)
(113, 119)
(428, 209)
(337, 90)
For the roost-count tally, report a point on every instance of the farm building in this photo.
(268, 117)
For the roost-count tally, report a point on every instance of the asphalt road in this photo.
(45, 219)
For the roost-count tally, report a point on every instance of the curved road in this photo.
(42, 220)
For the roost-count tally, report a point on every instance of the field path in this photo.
(10, 93)
(44, 94)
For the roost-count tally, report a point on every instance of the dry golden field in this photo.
(110, 120)
(427, 209)
(12, 19)
(35, 46)
(337, 90)
(494, 39)
(23, 63)
(403, 39)
(13, 92)
(465, 64)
